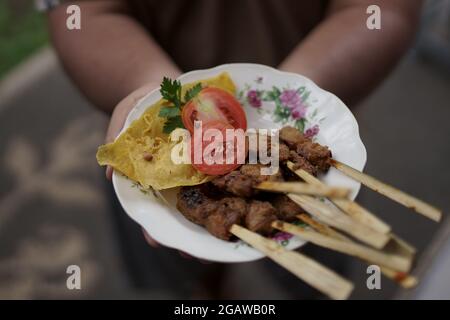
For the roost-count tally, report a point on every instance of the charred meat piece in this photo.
(241, 183)
(219, 224)
(254, 171)
(195, 205)
(301, 163)
(260, 216)
(284, 152)
(229, 211)
(291, 136)
(315, 153)
(234, 204)
(287, 210)
(235, 183)
(216, 215)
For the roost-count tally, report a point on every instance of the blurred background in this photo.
(56, 207)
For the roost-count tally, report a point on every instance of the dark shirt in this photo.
(204, 33)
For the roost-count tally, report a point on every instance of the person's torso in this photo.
(204, 33)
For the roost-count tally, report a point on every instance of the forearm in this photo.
(343, 56)
(111, 55)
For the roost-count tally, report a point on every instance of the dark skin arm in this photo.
(112, 55)
(112, 59)
(343, 56)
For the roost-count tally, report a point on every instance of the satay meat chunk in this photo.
(241, 183)
(291, 136)
(235, 183)
(230, 210)
(195, 205)
(260, 216)
(300, 162)
(287, 210)
(284, 153)
(316, 154)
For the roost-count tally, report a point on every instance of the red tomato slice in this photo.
(214, 104)
(213, 168)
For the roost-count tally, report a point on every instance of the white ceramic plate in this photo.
(271, 99)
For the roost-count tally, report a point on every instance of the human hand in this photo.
(116, 123)
(120, 114)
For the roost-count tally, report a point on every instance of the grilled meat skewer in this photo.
(316, 154)
(233, 199)
(241, 182)
(218, 215)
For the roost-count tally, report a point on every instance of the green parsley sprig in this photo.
(171, 91)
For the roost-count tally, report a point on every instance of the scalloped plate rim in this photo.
(155, 95)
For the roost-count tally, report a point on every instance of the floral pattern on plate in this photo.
(289, 105)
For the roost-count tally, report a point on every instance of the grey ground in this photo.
(55, 210)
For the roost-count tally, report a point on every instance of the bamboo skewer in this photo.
(353, 209)
(396, 246)
(405, 280)
(322, 228)
(313, 273)
(393, 193)
(304, 188)
(359, 213)
(332, 216)
(395, 262)
(401, 246)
